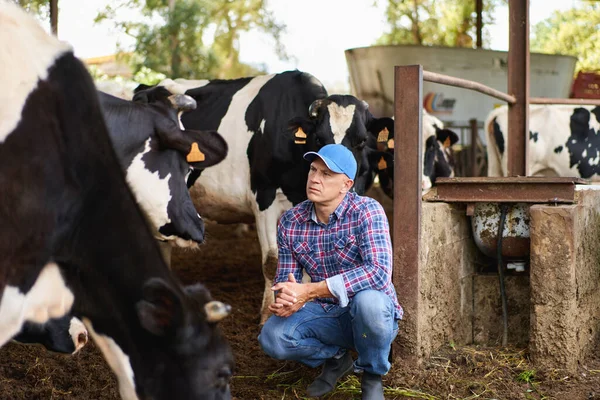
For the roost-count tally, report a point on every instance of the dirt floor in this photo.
(229, 266)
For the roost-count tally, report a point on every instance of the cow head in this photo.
(341, 119)
(178, 350)
(157, 156)
(438, 159)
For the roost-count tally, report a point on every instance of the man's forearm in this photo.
(318, 289)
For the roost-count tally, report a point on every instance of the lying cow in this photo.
(269, 122)
(563, 141)
(74, 238)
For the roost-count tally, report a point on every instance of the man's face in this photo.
(324, 185)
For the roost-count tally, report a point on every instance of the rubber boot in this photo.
(333, 369)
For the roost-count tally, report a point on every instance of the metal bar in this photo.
(474, 140)
(549, 100)
(408, 166)
(531, 189)
(518, 86)
(467, 84)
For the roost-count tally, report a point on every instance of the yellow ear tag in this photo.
(390, 144)
(381, 164)
(300, 133)
(383, 135)
(195, 155)
(447, 142)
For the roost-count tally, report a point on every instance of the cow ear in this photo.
(206, 148)
(294, 141)
(160, 311)
(446, 136)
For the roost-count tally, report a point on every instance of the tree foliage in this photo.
(436, 22)
(193, 38)
(39, 8)
(573, 32)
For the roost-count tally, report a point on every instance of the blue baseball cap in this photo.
(337, 158)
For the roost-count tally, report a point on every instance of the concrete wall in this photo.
(555, 309)
(565, 281)
(487, 309)
(446, 257)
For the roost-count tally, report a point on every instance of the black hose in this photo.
(503, 211)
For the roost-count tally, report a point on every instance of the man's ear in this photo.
(347, 185)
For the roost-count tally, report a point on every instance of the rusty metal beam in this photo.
(518, 86)
(408, 165)
(531, 189)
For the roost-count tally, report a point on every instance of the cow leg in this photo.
(266, 229)
(166, 249)
(12, 304)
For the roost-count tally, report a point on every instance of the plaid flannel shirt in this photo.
(353, 252)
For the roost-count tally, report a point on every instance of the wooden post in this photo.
(54, 17)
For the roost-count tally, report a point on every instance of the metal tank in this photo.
(372, 78)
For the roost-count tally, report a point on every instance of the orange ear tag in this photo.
(381, 164)
(300, 141)
(447, 142)
(195, 155)
(390, 144)
(383, 135)
(300, 133)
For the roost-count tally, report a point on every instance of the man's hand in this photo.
(290, 298)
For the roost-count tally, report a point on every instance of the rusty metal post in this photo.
(408, 166)
(518, 86)
(474, 140)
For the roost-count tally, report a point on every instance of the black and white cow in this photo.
(564, 140)
(269, 122)
(74, 239)
(438, 156)
(66, 334)
(152, 150)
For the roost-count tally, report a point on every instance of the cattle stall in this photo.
(444, 281)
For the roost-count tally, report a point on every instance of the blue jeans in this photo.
(312, 335)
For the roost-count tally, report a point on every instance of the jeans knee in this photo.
(273, 342)
(372, 305)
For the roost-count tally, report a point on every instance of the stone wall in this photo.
(565, 281)
(446, 257)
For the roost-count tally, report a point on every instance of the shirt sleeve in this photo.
(375, 248)
(286, 263)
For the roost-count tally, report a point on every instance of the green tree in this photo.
(42, 10)
(436, 22)
(193, 38)
(573, 32)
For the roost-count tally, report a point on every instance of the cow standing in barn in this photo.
(269, 122)
(74, 239)
(152, 150)
(564, 140)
